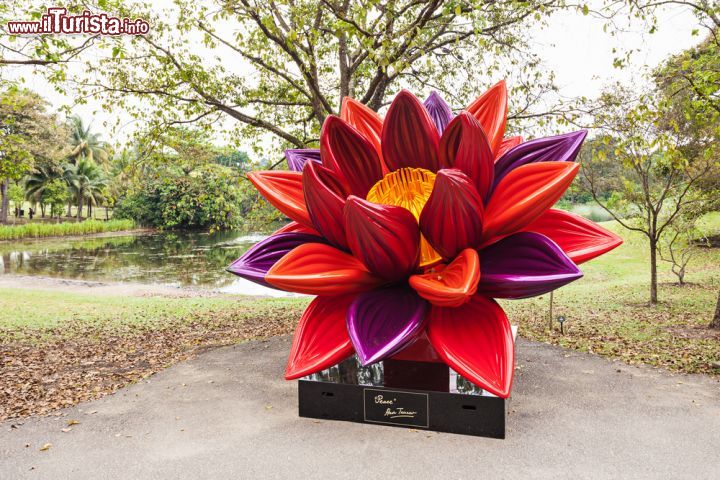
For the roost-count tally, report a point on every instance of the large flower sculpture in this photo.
(408, 228)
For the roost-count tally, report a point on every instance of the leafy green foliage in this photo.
(55, 194)
(207, 198)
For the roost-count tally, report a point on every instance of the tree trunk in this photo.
(42, 210)
(69, 213)
(80, 206)
(5, 201)
(716, 319)
(653, 271)
(90, 210)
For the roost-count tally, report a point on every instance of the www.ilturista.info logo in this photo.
(57, 20)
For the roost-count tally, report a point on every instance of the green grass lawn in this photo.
(38, 309)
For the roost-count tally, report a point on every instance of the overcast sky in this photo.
(573, 46)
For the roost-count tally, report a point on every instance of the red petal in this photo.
(580, 239)
(366, 121)
(409, 136)
(354, 155)
(507, 144)
(477, 342)
(284, 191)
(385, 237)
(451, 220)
(453, 285)
(319, 269)
(294, 227)
(465, 146)
(525, 194)
(490, 109)
(321, 339)
(325, 200)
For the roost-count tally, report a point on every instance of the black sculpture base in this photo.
(402, 393)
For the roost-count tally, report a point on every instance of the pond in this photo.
(196, 259)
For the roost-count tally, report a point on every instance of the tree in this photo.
(656, 183)
(16, 195)
(86, 182)
(678, 247)
(715, 323)
(84, 143)
(36, 183)
(281, 67)
(28, 134)
(56, 194)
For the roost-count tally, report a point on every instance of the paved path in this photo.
(228, 414)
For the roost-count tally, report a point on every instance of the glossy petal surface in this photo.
(580, 239)
(284, 191)
(325, 200)
(560, 148)
(451, 285)
(490, 109)
(409, 137)
(385, 238)
(525, 194)
(383, 321)
(464, 146)
(319, 269)
(477, 342)
(354, 155)
(254, 264)
(507, 144)
(295, 227)
(439, 111)
(365, 120)
(296, 158)
(321, 339)
(524, 265)
(452, 218)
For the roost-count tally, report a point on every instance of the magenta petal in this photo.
(383, 321)
(297, 157)
(439, 111)
(524, 265)
(560, 148)
(255, 263)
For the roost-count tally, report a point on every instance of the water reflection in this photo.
(174, 258)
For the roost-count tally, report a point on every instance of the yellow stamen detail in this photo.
(409, 188)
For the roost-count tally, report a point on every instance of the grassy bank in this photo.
(40, 230)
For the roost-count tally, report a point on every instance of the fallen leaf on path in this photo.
(45, 447)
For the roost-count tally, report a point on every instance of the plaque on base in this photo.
(441, 401)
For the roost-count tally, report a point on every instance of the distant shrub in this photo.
(207, 198)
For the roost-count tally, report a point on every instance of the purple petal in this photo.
(298, 157)
(439, 111)
(382, 322)
(560, 148)
(256, 262)
(524, 265)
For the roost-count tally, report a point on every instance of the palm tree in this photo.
(84, 143)
(87, 183)
(35, 185)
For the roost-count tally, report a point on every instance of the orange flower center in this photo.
(409, 188)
